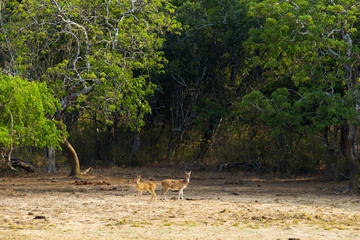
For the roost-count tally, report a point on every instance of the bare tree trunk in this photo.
(74, 160)
(11, 148)
(70, 151)
(50, 156)
(6, 158)
(97, 147)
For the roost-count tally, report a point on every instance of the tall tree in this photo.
(309, 57)
(203, 76)
(97, 52)
(24, 107)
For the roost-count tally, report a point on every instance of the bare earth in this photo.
(216, 206)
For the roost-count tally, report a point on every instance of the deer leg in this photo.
(182, 194)
(179, 194)
(163, 193)
(139, 196)
(153, 195)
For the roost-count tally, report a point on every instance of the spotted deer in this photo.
(174, 184)
(145, 186)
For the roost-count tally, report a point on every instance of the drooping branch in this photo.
(69, 22)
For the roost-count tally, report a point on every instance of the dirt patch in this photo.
(215, 206)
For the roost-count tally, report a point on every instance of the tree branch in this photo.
(290, 2)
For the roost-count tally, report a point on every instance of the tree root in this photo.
(85, 171)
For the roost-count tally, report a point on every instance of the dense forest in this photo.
(270, 86)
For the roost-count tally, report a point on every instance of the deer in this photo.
(145, 186)
(174, 184)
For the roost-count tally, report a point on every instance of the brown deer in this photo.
(175, 185)
(145, 186)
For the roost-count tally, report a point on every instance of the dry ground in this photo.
(217, 206)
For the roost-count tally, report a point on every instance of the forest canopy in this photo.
(268, 86)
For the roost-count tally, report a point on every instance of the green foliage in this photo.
(307, 113)
(307, 47)
(244, 81)
(109, 47)
(24, 107)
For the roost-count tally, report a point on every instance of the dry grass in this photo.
(217, 206)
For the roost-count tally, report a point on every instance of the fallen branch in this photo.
(19, 163)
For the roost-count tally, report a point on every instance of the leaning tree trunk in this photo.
(350, 135)
(70, 151)
(74, 160)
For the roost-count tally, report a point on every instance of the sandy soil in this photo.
(216, 206)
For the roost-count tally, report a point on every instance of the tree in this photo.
(24, 110)
(91, 53)
(203, 77)
(309, 58)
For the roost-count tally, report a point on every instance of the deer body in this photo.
(175, 184)
(145, 186)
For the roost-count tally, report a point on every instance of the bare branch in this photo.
(349, 41)
(66, 101)
(77, 54)
(85, 91)
(333, 53)
(290, 2)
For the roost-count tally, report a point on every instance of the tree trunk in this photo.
(136, 145)
(74, 160)
(66, 146)
(11, 148)
(6, 155)
(284, 153)
(97, 146)
(350, 134)
(331, 153)
(50, 156)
